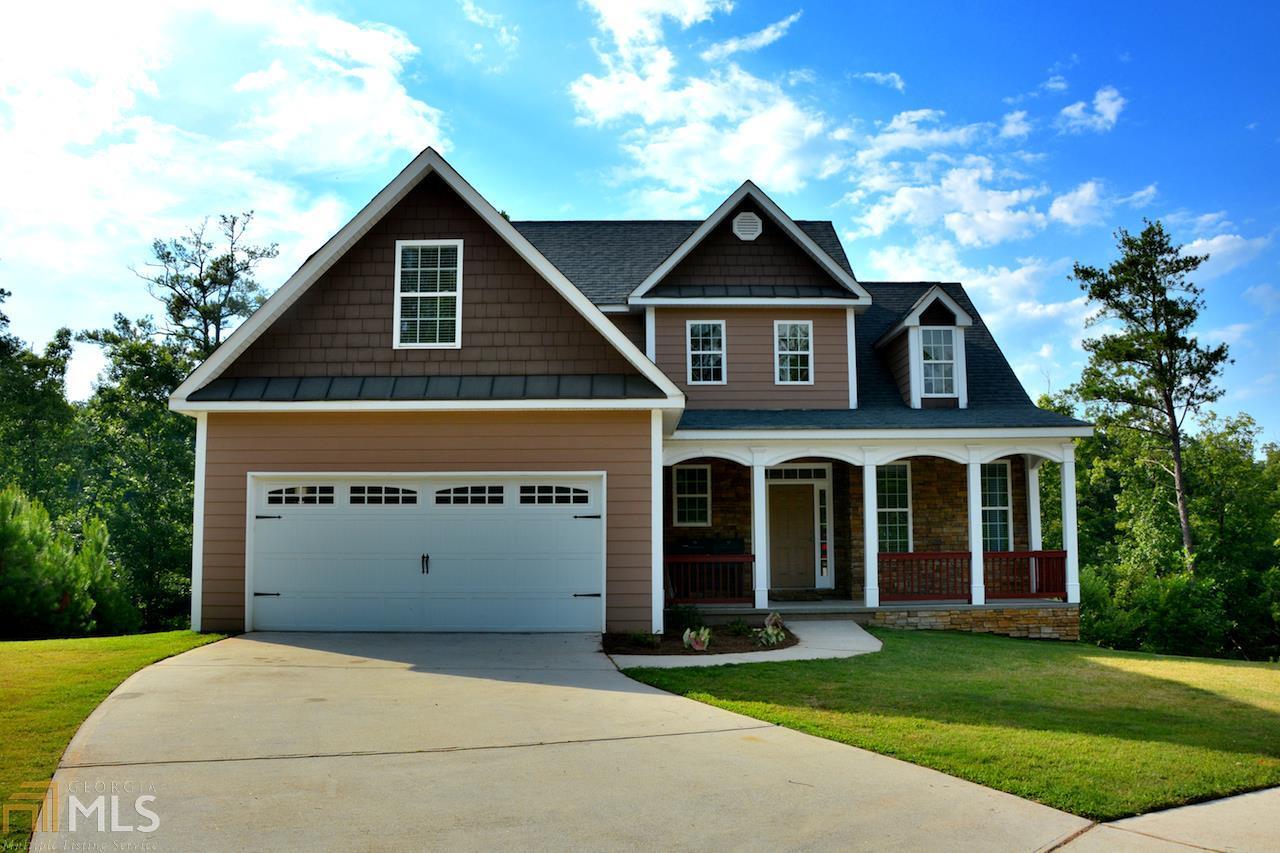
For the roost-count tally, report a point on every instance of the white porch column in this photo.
(658, 575)
(977, 583)
(1033, 504)
(760, 533)
(870, 536)
(1070, 542)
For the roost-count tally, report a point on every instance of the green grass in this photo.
(48, 687)
(1099, 733)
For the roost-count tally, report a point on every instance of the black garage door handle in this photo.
(426, 564)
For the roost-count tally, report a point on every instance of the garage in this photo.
(426, 552)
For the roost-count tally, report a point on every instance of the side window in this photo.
(706, 345)
(793, 352)
(893, 508)
(691, 495)
(428, 311)
(298, 495)
(996, 508)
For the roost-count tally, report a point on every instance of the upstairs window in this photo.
(428, 294)
(893, 508)
(691, 488)
(793, 352)
(996, 509)
(706, 352)
(938, 358)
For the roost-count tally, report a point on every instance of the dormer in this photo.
(925, 351)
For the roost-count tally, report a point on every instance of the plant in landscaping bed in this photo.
(698, 639)
(739, 628)
(773, 632)
(680, 617)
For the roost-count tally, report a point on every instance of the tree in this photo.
(1152, 373)
(205, 286)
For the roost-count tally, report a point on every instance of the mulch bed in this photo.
(722, 643)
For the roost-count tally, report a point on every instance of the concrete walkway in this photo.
(819, 639)
(1247, 822)
(384, 741)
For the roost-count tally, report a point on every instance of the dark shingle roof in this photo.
(874, 418)
(540, 387)
(607, 259)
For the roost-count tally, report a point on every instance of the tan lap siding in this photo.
(614, 442)
(749, 358)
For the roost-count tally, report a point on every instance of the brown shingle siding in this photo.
(342, 326)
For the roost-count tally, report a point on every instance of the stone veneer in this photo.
(1044, 623)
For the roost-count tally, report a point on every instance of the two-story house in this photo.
(448, 421)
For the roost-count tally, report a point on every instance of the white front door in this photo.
(427, 553)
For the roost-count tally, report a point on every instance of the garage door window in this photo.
(553, 495)
(383, 496)
(289, 495)
(470, 495)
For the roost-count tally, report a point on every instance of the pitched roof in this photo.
(607, 259)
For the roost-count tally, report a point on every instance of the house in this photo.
(448, 421)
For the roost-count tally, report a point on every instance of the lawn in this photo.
(1099, 733)
(48, 687)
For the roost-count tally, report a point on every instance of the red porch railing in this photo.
(944, 575)
(708, 578)
(1025, 574)
(924, 576)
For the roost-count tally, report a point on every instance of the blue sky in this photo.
(992, 146)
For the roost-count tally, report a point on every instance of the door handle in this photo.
(426, 564)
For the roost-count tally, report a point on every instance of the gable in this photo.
(937, 314)
(513, 321)
(772, 264)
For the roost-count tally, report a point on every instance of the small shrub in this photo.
(648, 641)
(698, 640)
(773, 631)
(681, 617)
(739, 628)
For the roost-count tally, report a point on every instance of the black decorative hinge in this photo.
(586, 595)
(587, 516)
(268, 516)
(266, 594)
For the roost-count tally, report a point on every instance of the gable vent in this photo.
(747, 226)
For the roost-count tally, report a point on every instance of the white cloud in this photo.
(1140, 198)
(95, 155)
(1015, 125)
(892, 79)
(687, 136)
(1054, 84)
(1226, 252)
(754, 41)
(1083, 205)
(1233, 334)
(505, 38)
(1105, 112)
(975, 213)
(1265, 297)
(917, 130)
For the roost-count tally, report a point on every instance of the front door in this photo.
(791, 540)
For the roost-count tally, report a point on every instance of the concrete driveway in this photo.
(383, 741)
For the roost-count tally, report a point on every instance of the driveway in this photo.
(382, 741)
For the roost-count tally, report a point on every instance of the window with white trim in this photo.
(793, 352)
(706, 351)
(382, 496)
(293, 495)
(893, 507)
(938, 358)
(691, 495)
(997, 512)
(428, 294)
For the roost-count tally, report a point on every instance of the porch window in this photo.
(893, 507)
(996, 526)
(939, 361)
(793, 353)
(428, 294)
(691, 485)
(706, 352)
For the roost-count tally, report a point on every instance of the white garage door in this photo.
(427, 554)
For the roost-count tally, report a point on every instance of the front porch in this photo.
(825, 530)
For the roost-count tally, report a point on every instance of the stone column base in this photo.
(1038, 623)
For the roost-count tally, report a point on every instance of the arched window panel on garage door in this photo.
(483, 495)
(551, 494)
(364, 495)
(296, 495)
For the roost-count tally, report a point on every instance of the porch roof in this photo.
(875, 417)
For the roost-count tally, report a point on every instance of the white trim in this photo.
(424, 164)
(621, 308)
(977, 581)
(253, 477)
(675, 497)
(749, 189)
(961, 369)
(1070, 538)
(911, 506)
(760, 535)
(657, 574)
(750, 301)
(912, 319)
(651, 334)
(1035, 538)
(723, 353)
(401, 245)
(915, 362)
(1007, 509)
(870, 536)
(820, 517)
(908, 435)
(425, 405)
(955, 378)
(777, 352)
(197, 522)
(851, 343)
